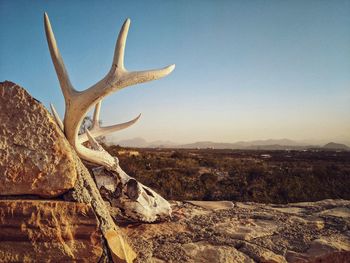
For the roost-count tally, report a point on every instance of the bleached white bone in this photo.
(56, 117)
(96, 129)
(78, 103)
(137, 201)
(146, 206)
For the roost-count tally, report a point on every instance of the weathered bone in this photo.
(138, 201)
(78, 103)
(96, 129)
(57, 117)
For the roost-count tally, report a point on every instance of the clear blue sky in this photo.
(245, 70)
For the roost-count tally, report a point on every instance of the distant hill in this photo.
(142, 143)
(162, 144)
(271, 144)
(283, 142)
(280, 144)
(135, 142)
(336, 146)
(208, 144)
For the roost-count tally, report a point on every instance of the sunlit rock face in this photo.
(247, 232)
(48, 231)
(35, 158)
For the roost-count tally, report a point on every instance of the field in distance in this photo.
(239, 175)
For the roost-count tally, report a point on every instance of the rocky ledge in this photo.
(48, 231)
(247, 232)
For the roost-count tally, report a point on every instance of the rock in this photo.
(248, 232)
(329, 249)
(341, 212)
(245, 229)
(35, 158)
(261, 254)
(312, 222)
(214, 205)
(205, 252)
(48, 231)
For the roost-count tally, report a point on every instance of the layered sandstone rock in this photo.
(35, 158)
(48, 231)
(247, 232)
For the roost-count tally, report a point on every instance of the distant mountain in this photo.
(284, 142)
(271, 144)
(336, 146)
(208, 144)
(142, 143)
(135, 142)
(280, 144)
(162, 144)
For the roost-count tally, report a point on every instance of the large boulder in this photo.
(35, 158)
(48, 231)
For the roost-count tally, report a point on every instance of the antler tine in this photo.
(118, 77)
(118, 58)
(136, 76)
(107, 130)
(66, 85)
(94, 144)
(96, 117)
(57, 117)
(96, 130)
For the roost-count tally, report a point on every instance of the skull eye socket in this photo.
(118, 191)
(132, 189)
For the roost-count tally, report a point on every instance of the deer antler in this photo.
(78, 103)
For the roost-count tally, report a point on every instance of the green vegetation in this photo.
(258, 176)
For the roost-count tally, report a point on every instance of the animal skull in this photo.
(138, 201)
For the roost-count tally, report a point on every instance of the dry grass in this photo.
(241, 175)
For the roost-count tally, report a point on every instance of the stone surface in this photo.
(248, 232)
(35, 158)
(204, 252)
(48, 231)
(213, 205)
